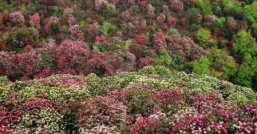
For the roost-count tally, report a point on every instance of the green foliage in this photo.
(3, 93)
(245, 47)
(203, 83)
(163, 58)
(137, 99)
(173, 31)
(240, 97)
(244, 44)
(18, 85)
(220, 22)
(3, 79)
(178, 60)
(55, 28)
(19, 35)
(250, 12)
(110, 10)
(94, 86)
(204, 38)
(147, 70)
(106, 27)
(230, 67)
(223, 65)
(162, 71)
(204, 6)
(27, 93)
(57, 11)
(202, 65)
(244, 75)
(47, 60)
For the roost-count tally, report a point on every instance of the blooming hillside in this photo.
(152, 100)
(128, 66)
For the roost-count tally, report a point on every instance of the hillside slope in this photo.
(39, 38)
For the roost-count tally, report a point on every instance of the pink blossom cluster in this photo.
(71, 20)
(185, 47)
(165, 8)
(150, 10)
(17, 18)
(100, 39)
(49, 22)
(209, 19)
(141, 39)
(176, 5)
(171, 20)
(22, 65)
(159, 40)
(231, 22)
(144, 62)
(92, 30)
(126, 15)
(34, 19)
(70, 55)
(161, 18)
(101, 111)
(74, 30)
(101, 3)
(59, 80)
(208, 115)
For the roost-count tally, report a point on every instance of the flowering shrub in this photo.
(141, 39)
(150, 10)
(71, 56)
(74, 30)
(51, 24)
(100, 3)
(153, 123)
(21, 38)
(209, 19)
(34, 20)
(71, 20)
(161, 18)
(144, 62)
(171, 20)
(28, 65)
(176, 5)
(100, 39)
(44, 121)
(101, 111)
(182, 50)
(159, 40)
(16, 18)
(232, 23)
(92, 30)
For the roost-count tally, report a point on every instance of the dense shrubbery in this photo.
(66, 66)
(151, 100)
